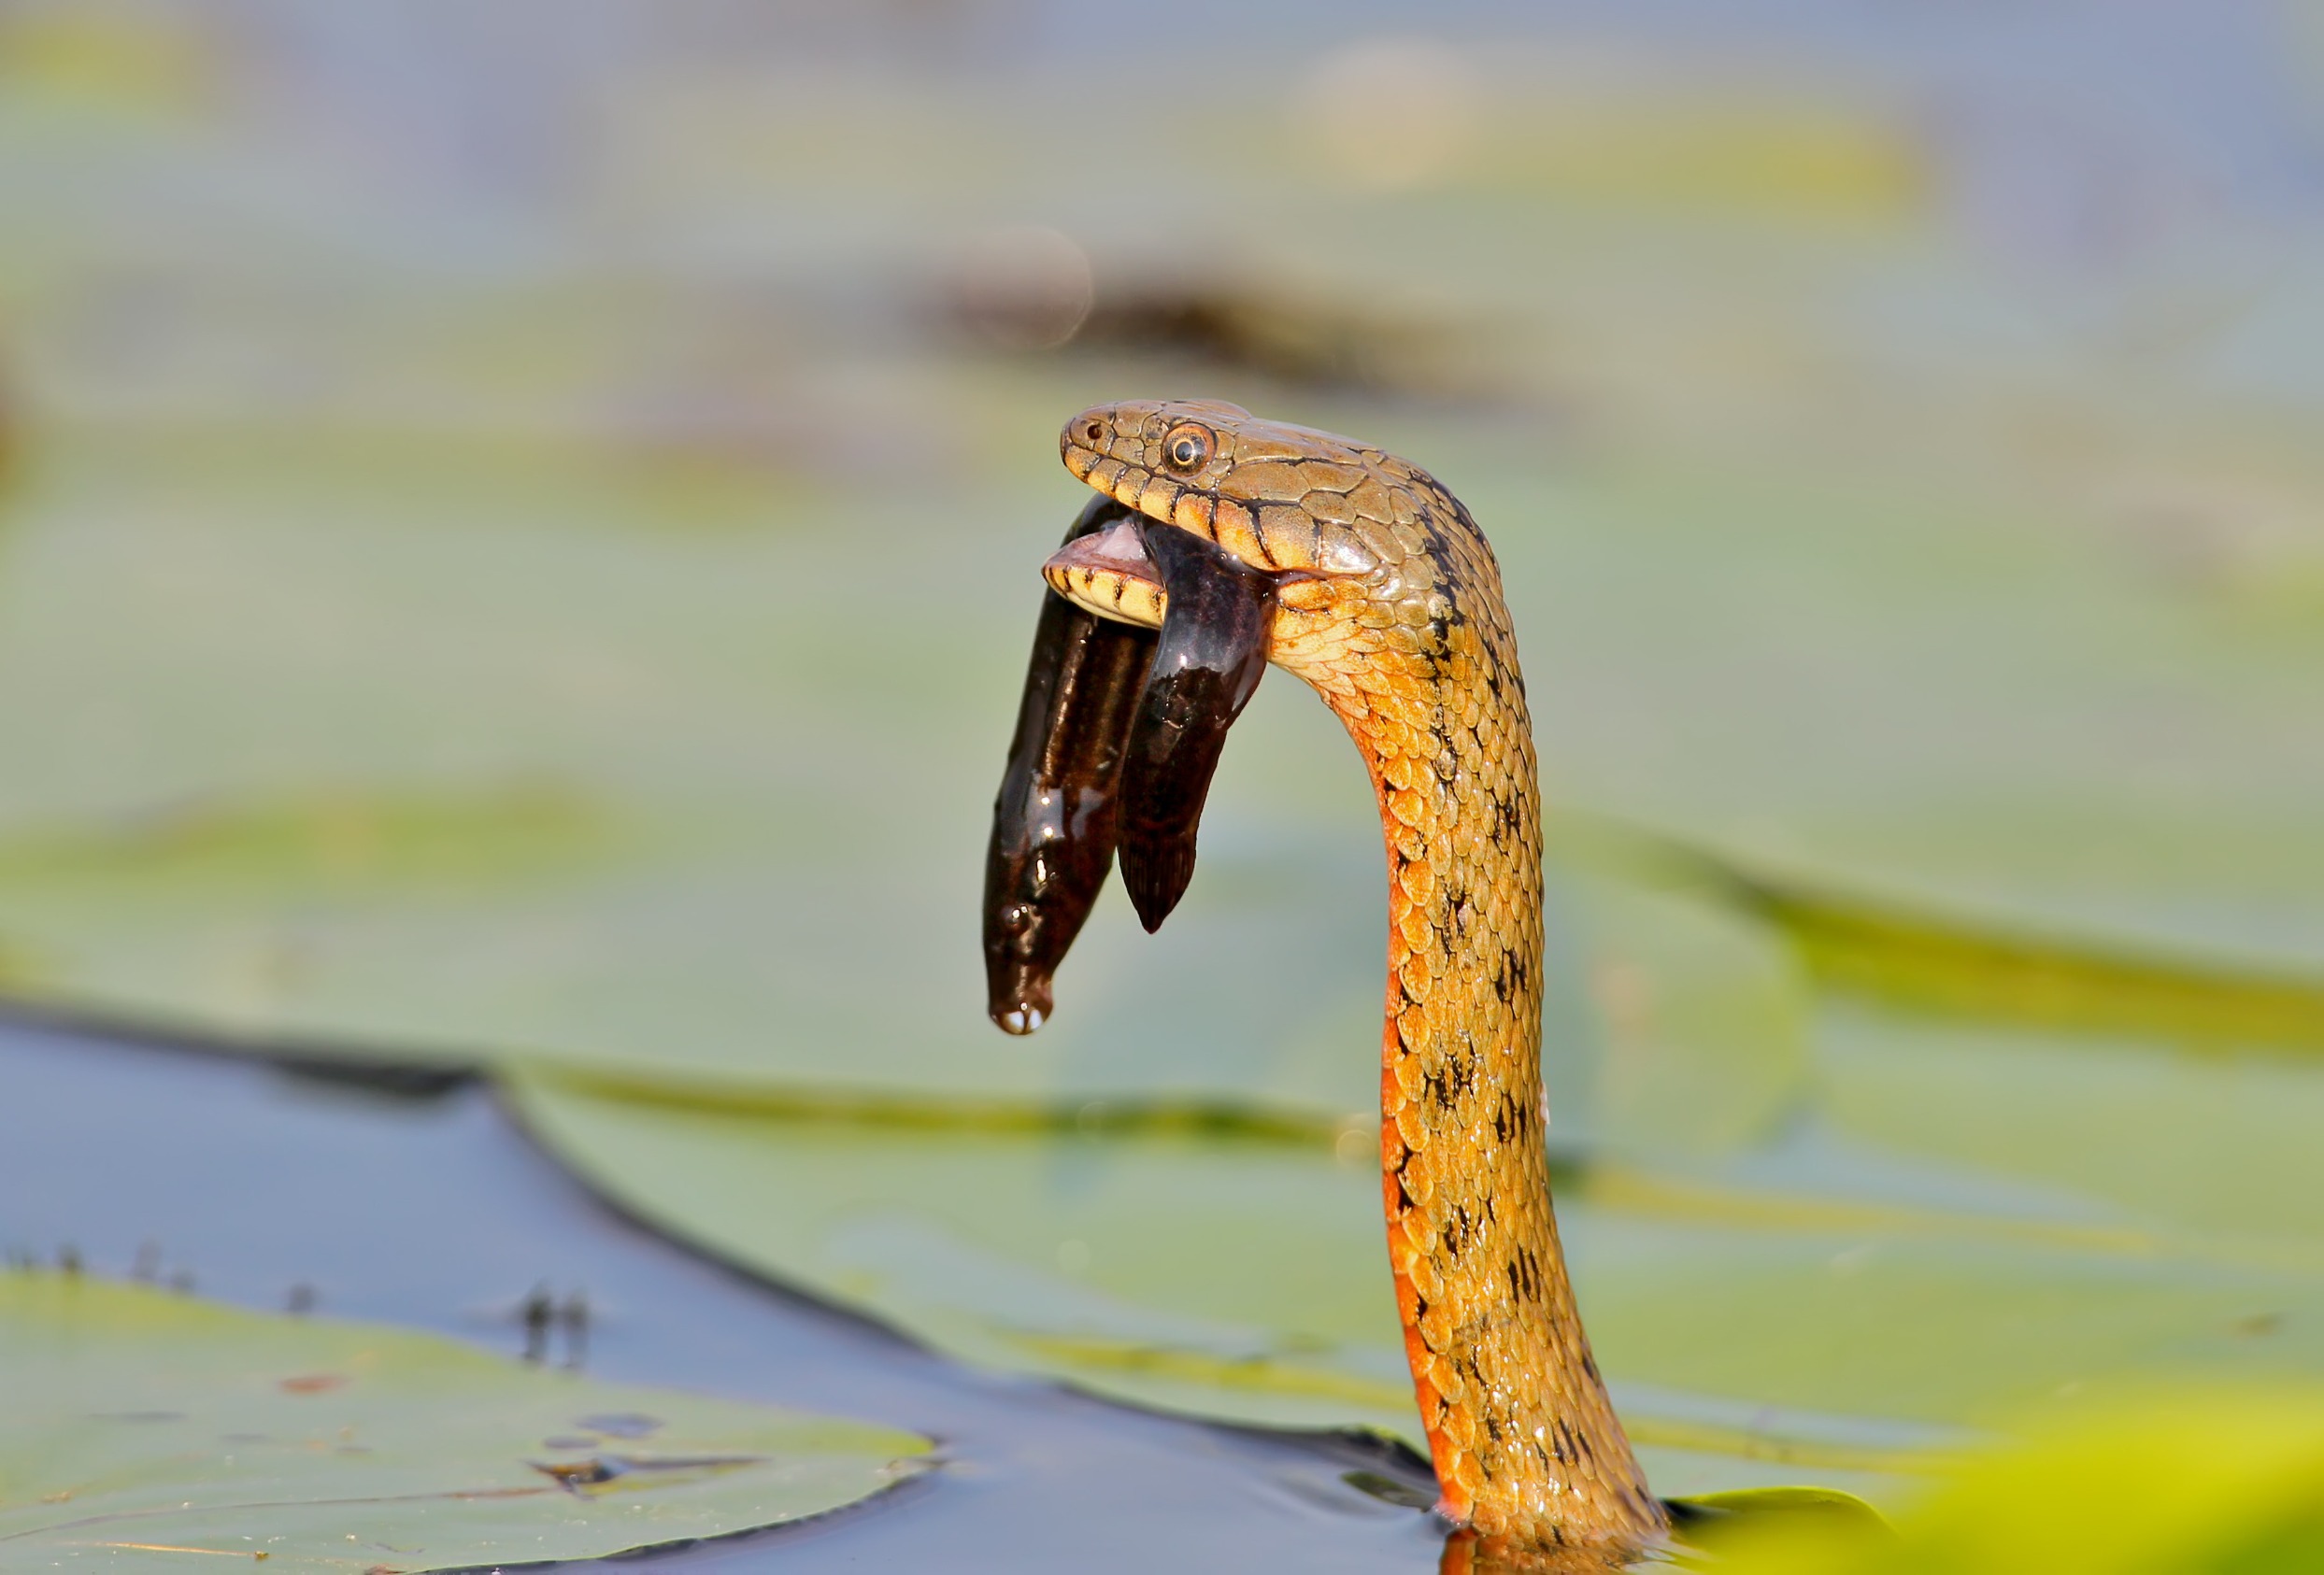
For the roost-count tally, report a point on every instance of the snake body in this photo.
(1387, 600)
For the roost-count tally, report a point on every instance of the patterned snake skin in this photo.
(1388, 602)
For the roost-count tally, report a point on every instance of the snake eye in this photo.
(1186, 446)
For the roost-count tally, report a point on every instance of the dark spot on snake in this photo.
(1505, 818)
(1525, 1276)
(1460, 1074)
(1510, 1117)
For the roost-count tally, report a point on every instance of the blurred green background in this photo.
(520, 547)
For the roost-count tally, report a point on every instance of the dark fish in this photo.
(1053, 824)
(1206, 664)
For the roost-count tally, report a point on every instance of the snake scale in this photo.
(1247, 542)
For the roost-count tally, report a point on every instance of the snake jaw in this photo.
(1111, 574)
(1187, 562)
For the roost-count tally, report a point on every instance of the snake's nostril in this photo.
(1093, 432)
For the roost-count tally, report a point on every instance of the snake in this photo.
(1218, 543)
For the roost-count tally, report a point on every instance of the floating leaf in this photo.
(1915, 1225)
(1789, 1320)
(2228, 1481)
(304, 849)
(1936, 690)
(1933, 964)
(1802, 1521)
(465, 752)
(141, 1421)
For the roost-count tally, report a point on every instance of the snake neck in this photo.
(1526, 1444)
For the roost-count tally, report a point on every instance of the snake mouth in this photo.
(1109, 573)
(1118, 731)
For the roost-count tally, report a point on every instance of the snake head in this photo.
(1284, 500)
(1219, 543)
(1212, 533)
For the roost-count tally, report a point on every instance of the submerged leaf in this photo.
(141, 1420)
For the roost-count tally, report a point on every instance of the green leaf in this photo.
(1921, 1226)
(2223, 1480)
(568, 784)
(1802, 1521)
(469, 752)
(141, 1421)
(1240, 1276)
(1923, 689)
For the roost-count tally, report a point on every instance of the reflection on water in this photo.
(1467, 1553)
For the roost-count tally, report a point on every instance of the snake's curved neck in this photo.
(1526, 1443)
(1388, 601)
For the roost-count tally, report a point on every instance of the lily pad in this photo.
(143, 1426)
(681, 817)
(1936, 694)
(544, 775)
(1834, 547)
(1880, 1231)
(1815, 1307)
